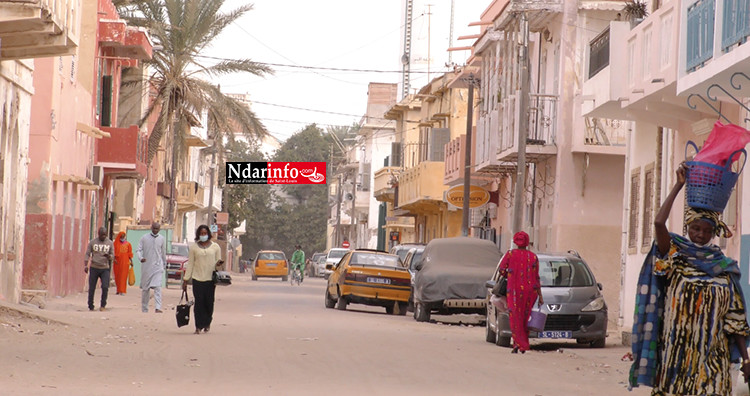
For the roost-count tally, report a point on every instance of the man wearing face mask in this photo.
(152, 251)
(203, 259)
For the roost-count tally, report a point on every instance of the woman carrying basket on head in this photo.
(690, 320)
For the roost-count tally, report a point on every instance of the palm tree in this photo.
(184, 28)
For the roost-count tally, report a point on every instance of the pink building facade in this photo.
(74, 113)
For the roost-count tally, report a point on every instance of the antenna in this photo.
(429, 20)
(450, 34)
(406, 57)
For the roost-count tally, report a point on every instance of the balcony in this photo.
(385, 179)
(540, 142)
(604, 88)
(716, 46)
(539, 12)
(124, 153)
(189, 196)
(124, 41)
(38, 28)
(420, 189)
(601, 136)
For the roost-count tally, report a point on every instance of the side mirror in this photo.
(329, 267)
(599, 285)
(490, 284)
(418, 266)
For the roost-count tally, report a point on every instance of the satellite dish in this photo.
(405, 58)
(349, 196)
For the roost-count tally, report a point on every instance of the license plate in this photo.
(270, 264)
(555, 334)
(382, 281)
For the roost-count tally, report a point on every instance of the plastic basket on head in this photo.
(709, 186)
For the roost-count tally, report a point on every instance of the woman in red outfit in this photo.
(521, 267)
(123, 261)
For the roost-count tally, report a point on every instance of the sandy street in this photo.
(269, 338)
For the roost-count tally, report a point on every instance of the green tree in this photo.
(307, 145)
(184, 29)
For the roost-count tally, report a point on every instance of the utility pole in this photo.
(467, 159)
(211, 184)
(523, 126)
(353, 228)
(339, 192)
(429, 20)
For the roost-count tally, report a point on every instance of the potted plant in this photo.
(636, 11)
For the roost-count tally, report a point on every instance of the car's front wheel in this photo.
(421, 313)
(330, 303)
(598, 343)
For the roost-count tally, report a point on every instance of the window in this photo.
(646, 54)
(599, 53)
(106, 101)
(631, 63)
(635, 184)
(271, 256)
(648, 206)
(666, 41)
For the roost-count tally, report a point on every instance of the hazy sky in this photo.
(356, 34)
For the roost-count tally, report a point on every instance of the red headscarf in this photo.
(521, 239)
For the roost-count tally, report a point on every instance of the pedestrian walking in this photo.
(298, 261)
(204, 258)
(152, 251)
(521, 268)
(123, 262)
(690, 320)
(98, 258)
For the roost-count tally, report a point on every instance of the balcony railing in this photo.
(38, 28)
(385, 179)
(189, 196)
(700, 33)
(599, 53)
(542, 126)
(736, 24)
(417, 185)
(124, 153)
(604, 132)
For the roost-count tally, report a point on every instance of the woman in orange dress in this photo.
(123, 261)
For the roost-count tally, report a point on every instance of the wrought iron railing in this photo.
(605, 132)
(599, 53)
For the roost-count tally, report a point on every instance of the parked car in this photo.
(412, 258)
(270, 264)
(402, 250)
(332, 257)
(368, 277)
(451, 277)
(312, 263)
(573, 303)
(177, 259)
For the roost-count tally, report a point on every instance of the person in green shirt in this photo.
(298, 261)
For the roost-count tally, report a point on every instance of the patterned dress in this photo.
(522, 269)
(701, 312)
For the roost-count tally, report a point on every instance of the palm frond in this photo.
(236, 66)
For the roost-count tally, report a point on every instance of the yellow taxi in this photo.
(369, 277)
(270, 264)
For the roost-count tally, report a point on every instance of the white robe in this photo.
(154, 250)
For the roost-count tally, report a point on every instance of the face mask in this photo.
(203, 238)
(122, 239)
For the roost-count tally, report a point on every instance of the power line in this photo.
(321, 67)
(313, 110)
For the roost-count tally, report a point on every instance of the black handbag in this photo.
(222, 278)
(183, 310)
(501, 287)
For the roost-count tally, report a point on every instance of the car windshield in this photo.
(385, 260)
(336, 254)
(271, 256)
(415, 259)
(564, 273)
(402, 253)
(321, 259)
(180, 250)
